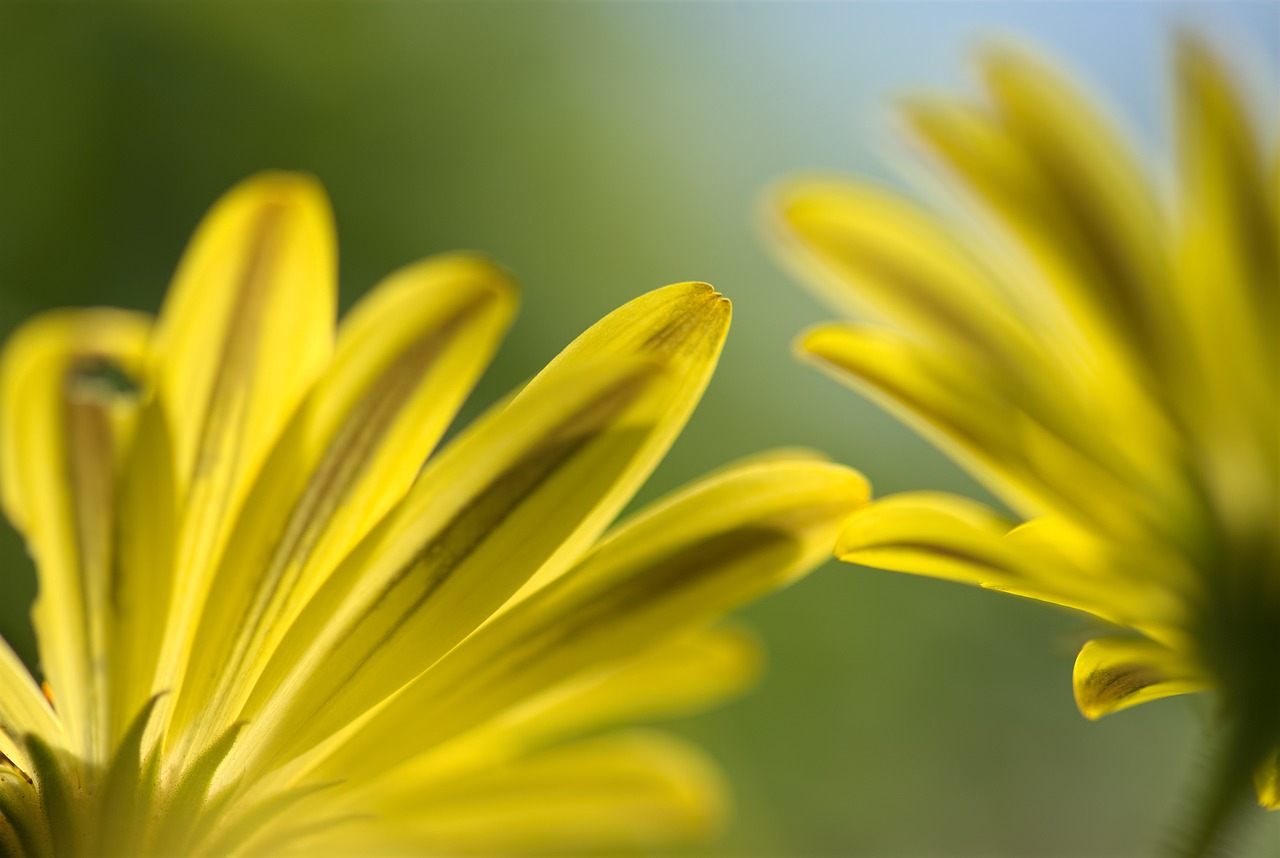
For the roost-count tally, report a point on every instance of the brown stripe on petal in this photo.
(941, 552)
(91, 446)
(677, 334)
(346, 459)
(1104, 688)
(413, 588)
(688, 567)
(225, 413)
(573, 636)
(441, 557)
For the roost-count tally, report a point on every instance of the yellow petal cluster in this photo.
(274, 618)
(1101, 351)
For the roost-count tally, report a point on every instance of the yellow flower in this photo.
(267, 626)
(1104, 359)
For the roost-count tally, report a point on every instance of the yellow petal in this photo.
(680, 677)
(950, 407)
(1231, 209)
(146, 531)
(683, 326)
(681, 562)
(112, 339)
(1101, 210)
(1059, 463)
(871, 248)
(625, 791)
(1229, 240)
(948, 537)
(406, 358)
(23, 709)
(246, 329)
(1267, 781)
(61, 446)
(529, 487)
(1115, 673)
(674, 678)
(926, 533)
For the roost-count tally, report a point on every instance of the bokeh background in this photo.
(599, 151)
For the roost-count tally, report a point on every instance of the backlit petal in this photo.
(246, 329)
(682, 562)
(406, 358)
(63, 432)
(1115, 673)
(529, 486)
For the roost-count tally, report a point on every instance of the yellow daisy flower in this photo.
(1106, 362)
(267, 626)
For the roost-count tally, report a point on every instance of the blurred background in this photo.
(601, 151)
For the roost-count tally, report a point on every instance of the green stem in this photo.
(1229, 792)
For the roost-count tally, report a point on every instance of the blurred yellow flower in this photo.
(266, 624)
(1106, 362)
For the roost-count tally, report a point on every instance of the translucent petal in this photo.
(943, 536)
(245, 330)
(682, 562)
(61, 444)
(673, 678)
(503, 500)
(618, 792)
(1097, 206)
(1115, 673)
(23, 709)
(876, 250)
(1229, 295)
(407, 356)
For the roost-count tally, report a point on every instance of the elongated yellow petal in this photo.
(1229, 270)
(683, 561)
(945, 405)
(147, 515)
(61, 445)
(1056, 278)
(1100, 207)
(433, 567)
(98, 338)
(875, 249)
(23, 709)
(504, 500)
(246, 329)
(1115, 673)
(406, 358)
(927, 533)
(1034, 465)
(943, 536)
(619, 792)
(1228, 210)
(676, 677)
(679, 677)
(684, 326)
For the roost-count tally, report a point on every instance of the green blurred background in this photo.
(601, 151)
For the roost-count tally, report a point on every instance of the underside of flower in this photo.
(1107, 364)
